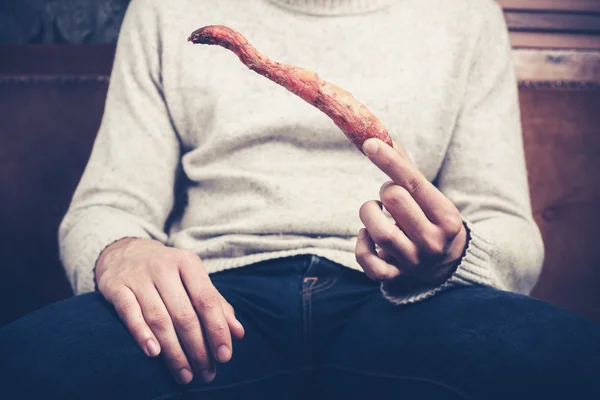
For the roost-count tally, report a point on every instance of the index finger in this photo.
(404, 173)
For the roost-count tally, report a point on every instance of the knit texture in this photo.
(267, 175)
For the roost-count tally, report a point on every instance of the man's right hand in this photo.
(166, 299)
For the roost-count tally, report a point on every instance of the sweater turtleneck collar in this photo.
(333, 7)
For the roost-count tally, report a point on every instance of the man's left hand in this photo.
(428, 236)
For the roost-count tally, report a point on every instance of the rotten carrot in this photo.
(352, 117)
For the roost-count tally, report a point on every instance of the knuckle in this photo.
(118, 294)
(127, 308)
(186, 321)
(435, 246)
(159, 322)
(451, 224)
(219, 330)
(387, 237)
(394, 196)
(413, 183)
(207, 301)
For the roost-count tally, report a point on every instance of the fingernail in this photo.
(185, 376)
(223, 353)
(370, 147)
(362, 234)
(152, 348)
(208, 375)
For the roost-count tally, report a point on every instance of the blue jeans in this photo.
(315, 329)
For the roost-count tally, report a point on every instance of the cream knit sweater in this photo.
(268, 175)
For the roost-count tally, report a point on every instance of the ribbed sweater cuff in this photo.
(475, 268)
(88, 241)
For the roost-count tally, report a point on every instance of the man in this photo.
(297, 267)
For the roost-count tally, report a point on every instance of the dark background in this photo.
(61, 21)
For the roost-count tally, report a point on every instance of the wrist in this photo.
(111, 247)
(437, 274)
(112, 252)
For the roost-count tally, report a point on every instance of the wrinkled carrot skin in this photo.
(352, 117)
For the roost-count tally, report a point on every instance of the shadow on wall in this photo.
(61, 21)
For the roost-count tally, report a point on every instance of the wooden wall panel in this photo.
(552, 5)
(557, 65)
(559, 24)
(554, 40)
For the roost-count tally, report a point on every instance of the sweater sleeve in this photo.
(484, 175)
(127, 189)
